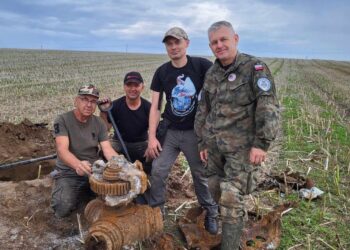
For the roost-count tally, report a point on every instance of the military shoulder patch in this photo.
(264, 84)
(57, 128)
(258, 67)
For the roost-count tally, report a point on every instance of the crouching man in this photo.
(78, 134)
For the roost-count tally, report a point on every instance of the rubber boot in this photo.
(231, 236)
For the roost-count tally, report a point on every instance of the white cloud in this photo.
(253, 18)
(289, 25)
(130, 31)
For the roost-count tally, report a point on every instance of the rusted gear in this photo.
(108, 188)
(111, 174)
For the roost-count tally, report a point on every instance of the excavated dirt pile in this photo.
(26, 219)
(21, 142)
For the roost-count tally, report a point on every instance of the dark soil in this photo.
(26, 218)
(22, 142)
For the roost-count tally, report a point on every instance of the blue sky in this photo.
(286, 28)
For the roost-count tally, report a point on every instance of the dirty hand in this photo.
(257, 156)
(154, 148)
(204, 155)
(104, 103)
(83, 168)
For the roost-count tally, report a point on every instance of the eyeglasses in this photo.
(86, 101)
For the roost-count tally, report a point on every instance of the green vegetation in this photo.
(315, 123)
(316, 139)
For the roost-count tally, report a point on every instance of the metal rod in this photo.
(118, 135)
(115, 127)
(24, 162)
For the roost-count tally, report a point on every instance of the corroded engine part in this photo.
(192, 227)
(120, 181)
(98, 168)
(102, 187)
(126, 171)
(265, 233)
(113, 228)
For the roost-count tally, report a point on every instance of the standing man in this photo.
(181, 79)
(236, 121)
(131, 114)
(77, 135)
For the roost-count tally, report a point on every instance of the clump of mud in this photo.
(179, 187)
(21, 142)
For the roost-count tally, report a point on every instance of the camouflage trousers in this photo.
(230, 177)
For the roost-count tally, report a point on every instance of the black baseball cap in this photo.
(133, 77)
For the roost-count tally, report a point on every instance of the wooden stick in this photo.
(286, 211)
(32, 216)
(295, 246)
(80, 231)
(326, 223)
(39, 172)
(181, 206)
(184, 174)
(320, 239)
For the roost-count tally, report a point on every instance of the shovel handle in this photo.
(119, 136)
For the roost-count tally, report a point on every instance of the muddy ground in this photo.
(26, 219)
(22, 142)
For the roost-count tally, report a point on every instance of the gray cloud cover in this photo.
(301, 29)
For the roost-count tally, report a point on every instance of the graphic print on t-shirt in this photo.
(183, 96)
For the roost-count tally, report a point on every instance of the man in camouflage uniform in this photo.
(236, 121)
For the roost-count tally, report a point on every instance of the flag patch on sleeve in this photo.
(258, 67)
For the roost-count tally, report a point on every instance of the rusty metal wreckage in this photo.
(115, 220)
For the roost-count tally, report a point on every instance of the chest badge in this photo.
(232, 77)
(264, 84)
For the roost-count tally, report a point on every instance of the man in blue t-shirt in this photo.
(181, 79)
(131, 114)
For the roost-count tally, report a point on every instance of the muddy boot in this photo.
(211, 224)
(231, 236)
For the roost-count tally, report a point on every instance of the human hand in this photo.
(257, 156)
(147, 156)
(154, 148)
(104, 103)
(204, 155)
(83, 168)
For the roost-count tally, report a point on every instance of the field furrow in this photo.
(314, 138)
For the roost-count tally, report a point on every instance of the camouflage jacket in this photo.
(238, 108)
